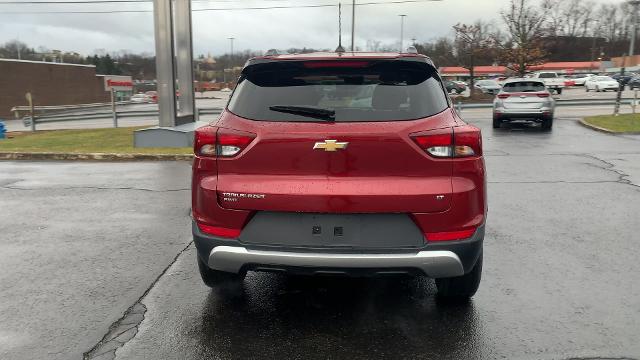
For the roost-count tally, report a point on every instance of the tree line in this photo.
(528, 32)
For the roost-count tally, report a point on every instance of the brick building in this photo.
(49, 84)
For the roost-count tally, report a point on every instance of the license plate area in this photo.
(370, 231)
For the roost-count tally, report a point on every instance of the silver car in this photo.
(488, 86)
(523, 99)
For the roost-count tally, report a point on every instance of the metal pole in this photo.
(353, 24)
(635, 101)
(184, 57)
(114, 114)
(231, 40)
(165, 73)
(32, 110)
(402, 32)
(616, 110)
(634, 21)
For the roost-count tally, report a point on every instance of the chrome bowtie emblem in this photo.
(330, 145)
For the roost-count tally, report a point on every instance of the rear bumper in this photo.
(433, 263)
(502, 113)
(436, 259)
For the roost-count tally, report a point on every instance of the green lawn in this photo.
(118, 141)
(621, 123)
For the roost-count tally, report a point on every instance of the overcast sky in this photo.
(253, 29)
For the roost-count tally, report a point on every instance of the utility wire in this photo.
(71, 2)
(212, 9)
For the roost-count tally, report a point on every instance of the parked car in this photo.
(634, 82)
(569, 82)
(454, 87)
(299, 175)
(140, 98)
(623, 79)
(580, 79)
(524, 99)
(601, 83)
(488, 86)
(153, 95)
(551, 80)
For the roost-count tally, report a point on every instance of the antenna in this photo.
(339, 49)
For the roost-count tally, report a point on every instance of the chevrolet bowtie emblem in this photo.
(330, 145)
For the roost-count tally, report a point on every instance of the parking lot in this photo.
(217, 99)
(560, 277)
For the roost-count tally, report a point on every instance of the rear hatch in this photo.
(524, 95)
(334, 137)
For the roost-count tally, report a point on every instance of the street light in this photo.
(231, 43)
(224, 71)
(402, 31)
(353, 23)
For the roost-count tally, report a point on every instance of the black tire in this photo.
(460, 288)
(559, 91)
(497, 123)
(597, 89)
(547, 124)
(586, 88)
(216, 279)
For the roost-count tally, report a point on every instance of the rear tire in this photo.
(559, 91)
(217, 279)
(547, 124)
(496, 123)
(460, 288)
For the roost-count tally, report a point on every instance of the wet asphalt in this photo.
(98, 256)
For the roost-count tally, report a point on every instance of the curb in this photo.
(607, 131)
(94, 156)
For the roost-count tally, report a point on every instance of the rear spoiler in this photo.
(262, 62)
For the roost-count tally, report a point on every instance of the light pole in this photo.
(231, 44)
(634, 25)
(224, 71)
(353, 23)
(402, 31)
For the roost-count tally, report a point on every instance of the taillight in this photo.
(467, 140)
(204, 142)
(219, 231)
(213, 142)
(437, 143)
(503, 96)
(461, 141)
(543, 95)
(451, 235)
(231, 142)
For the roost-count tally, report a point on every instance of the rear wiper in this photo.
(308, 111)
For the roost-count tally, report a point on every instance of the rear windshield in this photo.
(523, 86)
(360, 91)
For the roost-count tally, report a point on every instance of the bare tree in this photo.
(471, 42)
(525, 29)
(440, 51)
(555, 22)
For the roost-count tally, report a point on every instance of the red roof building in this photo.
(561, 67)
(568, 67)
(478, 71)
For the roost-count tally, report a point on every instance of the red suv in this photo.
(340, 163)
